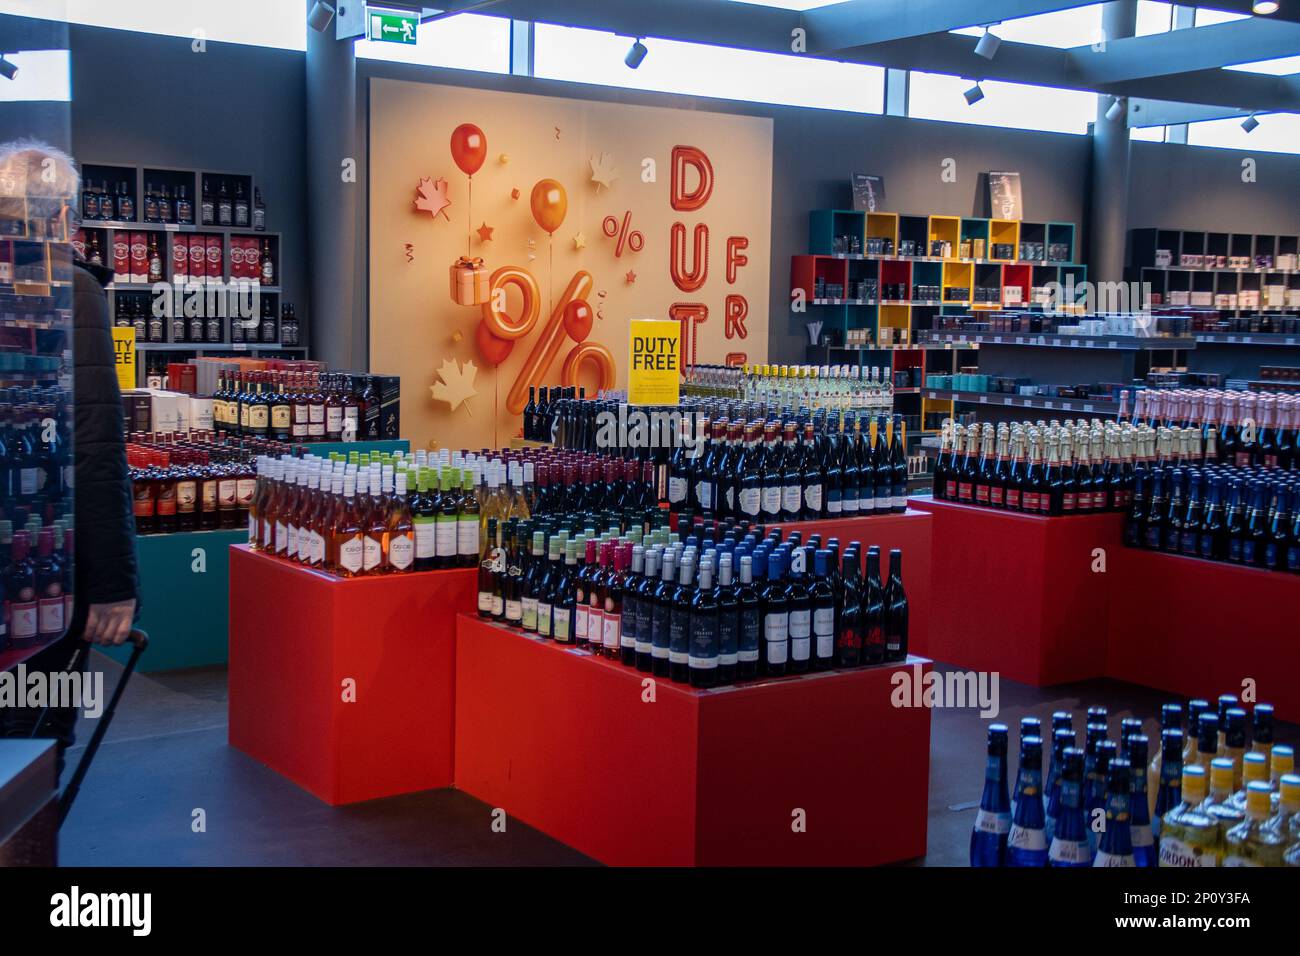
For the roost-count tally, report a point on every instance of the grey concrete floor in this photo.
(166, 757)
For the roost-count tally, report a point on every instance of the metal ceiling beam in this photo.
(1144, 112)
(1186, 51)
(857, 23)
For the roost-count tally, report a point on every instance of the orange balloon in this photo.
(494, 350)
(497, 320)
(550, 204)
(592, 352)
(468, 148)
(577, 320)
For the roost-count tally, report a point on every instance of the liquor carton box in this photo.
(214, 264)
(137, 407)
(237, 270)
(198, 259)
(121, 256)
(252, 260)
(168, 410)
(180, 259)
(389, 390)
(139, 257)
(181, 377)
(198, 413)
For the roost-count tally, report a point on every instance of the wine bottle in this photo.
(1026, 840)
(988, 843)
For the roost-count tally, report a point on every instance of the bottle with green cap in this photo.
(467, 523)
(1188, 835)
(564, 597)
(446, 528)
(1252, 842)
(529, 583)
(549, 577)
(424, 517)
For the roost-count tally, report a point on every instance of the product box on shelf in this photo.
(180, 259)
(139, 257)
(121, 256)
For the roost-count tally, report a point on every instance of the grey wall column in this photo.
(337, 321)
(1110, 165)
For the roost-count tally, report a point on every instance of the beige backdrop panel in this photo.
(413, 320)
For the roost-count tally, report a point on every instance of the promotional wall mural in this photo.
(513, 239)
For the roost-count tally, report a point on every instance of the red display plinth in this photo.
(909, 530)
(1018, 594)
(633, 770)
(1204, 628)
(302, 643)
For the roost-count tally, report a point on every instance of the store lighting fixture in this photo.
(974, 94)
(1116, 111)
(1249, 123)
(320, 16)
(1264, 7)
(635, 55)
(8, 69)
(987, 46)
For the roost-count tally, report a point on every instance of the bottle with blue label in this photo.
(1061, 739)
(1116, 845)
(988, 840)
(1027, 840)
(1029, 727)
(1070, 846)
(1144, 844)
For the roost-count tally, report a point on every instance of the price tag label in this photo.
(984, 399)
(1087, 407)
(1290, 341)
(1232, 339)
(171, 227)
(997, 339)
(240, 347)
(1112, 345)
(1050, 405)
(1074, 343)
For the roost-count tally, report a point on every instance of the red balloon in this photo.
(577, 320)
(468, 148)
(494, 350)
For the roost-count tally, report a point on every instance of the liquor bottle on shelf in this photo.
(988, 844)
(1026, 839)
(1069, 846)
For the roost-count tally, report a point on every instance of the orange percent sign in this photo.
(632, 238)
(548, 346)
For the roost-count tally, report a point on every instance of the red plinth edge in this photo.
(1018, 594)
(296, 637)
(574, 746)
(1204, 628)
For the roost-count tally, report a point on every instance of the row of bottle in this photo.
(1096, 808)
(35, 583)
(1247, 515)
(36, 466)
(189, 487)
(1038, 468)
(704, 610)
(1253, 428)
(836, 387)
(293, 406)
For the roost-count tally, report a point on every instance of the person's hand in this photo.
(109, 624)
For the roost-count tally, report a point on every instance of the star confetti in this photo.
(485, 232)
(580, 241)
(630, 277)
(514, 193)
(432, 197)
(457, 385)
(602, 170)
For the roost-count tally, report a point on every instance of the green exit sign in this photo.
(391, 26)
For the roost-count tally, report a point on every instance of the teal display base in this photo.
(323, 448)
(185, 590)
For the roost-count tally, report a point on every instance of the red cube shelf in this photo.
(634, 770)
(297, 635)
(1018, 593)
(1204, 628)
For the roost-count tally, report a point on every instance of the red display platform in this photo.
(297, 635)
(1202, 628)
(1018, 594)
(909, 530)
(572, 745)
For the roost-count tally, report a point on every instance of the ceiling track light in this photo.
(1249, 124)
(636, 54)
(1264, 7)
(320, 16)
(974, 94)
(8, 69)
(1115, 112)
(988, 44)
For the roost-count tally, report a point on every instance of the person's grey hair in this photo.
(51, 177)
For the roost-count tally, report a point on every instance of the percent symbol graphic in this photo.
(626, 236)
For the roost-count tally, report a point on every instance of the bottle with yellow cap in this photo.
(1252, 842)
(1254, 770)
(1286, 807)
(1281, 762)
(1218, 805)
(1188, 836)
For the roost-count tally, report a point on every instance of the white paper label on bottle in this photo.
(467, 535)
(291, 534)
(560, 618)
(373, 553)
(528, 613)
(1069, 851)
(514, 611)
(676, 490)
(791, 498)
(1174, 852)
(849, 503)
(812, 496)
(1026, 838)
(543, 612)
(704, 491)
(27, 481)
(23, 620)
(281, 541)
(50, 615)
(401, 551)
(609, 634)
(751, 501)
(777, 633)
(1111, 860)
(771, 500)
(800, 635)
(988, 821)
(352, 555)
(900, 502)
(866, 504)
(498, 606)
(244, 490)
(333, 420)
(824, 630)
(425, 540)
(580, 622)
(445, 538)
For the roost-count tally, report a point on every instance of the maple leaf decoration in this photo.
(602, 170)
(457, 385)
(432, 197)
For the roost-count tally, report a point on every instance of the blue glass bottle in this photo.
(1094, 797)
(1069, 846)
(1144, 844)
(1029, 727)
(988, 839)
(1027, 841)
(1061, 739)
(1116, 848)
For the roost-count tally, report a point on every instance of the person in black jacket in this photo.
(105, 585)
